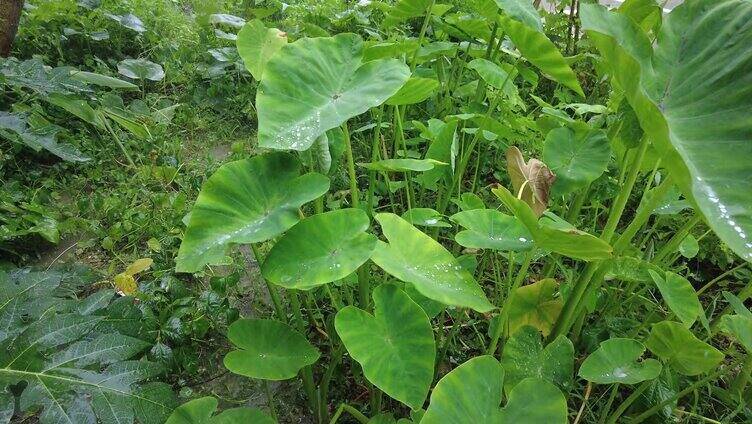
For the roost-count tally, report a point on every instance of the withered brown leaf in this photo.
(533, 178)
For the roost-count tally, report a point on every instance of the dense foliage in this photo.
(492, 211)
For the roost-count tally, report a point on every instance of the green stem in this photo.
(628, 402)
(673, 244)
(269, 400)
(399, 133)
(644, 210)
(617, 209)
(343, 407)
(656, 408)
(500, 326)
(363, 279)
(326, 380)
(614, 392)
(117, 140)
(456, 325)
(278, 309)
(354, 193)
(740, 382)
(422, 35)
(306, 374)
(566, 318)
(720, 277)
(374, 157)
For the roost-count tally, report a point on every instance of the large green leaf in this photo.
(415, 90)
(577, 158)
(494, 75)
(491, 229)
(472, 392)
(315, 84)
(406, 9)
(443, 148)
(740, 327)
(102, 80)
(76, 106)
(681, 350)
(402, 165)
(269, 350)
(200, 411)
(247, 201)
(645, 12)
(541, 52)
(416, 258)
(257, 44)
(522, 11)
(679, 295)
(568, 242)
(33, 75)
(320, 249)
(617, 361)
(39, 138)
(71, 367)
(394, 346)
(524, 356)
(692, 94)
(534, 305)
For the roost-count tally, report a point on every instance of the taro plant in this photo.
(513, 247)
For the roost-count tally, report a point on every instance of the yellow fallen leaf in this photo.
(138, 265)
(126, 284)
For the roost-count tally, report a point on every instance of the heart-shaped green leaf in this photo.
(247, 201)
(573, 243)
(443, 148)
(315, 84)
(617, 361)
(681, 350)
(472, 392)
(394, 346)
(524, 356)
(534, 305)
(577, 158)
(200, 411)
(402, 165)
(197, 411)
(491, 229)
(550, 404)
(415, 90)
(494, 76)
(541, 52)
(689, 247)
(320, 249)
(257, 44)
(406, 9)
(696, 123)
(522, 11)
(416, 258)
(141, 69)
(679, 295)
(269, 350)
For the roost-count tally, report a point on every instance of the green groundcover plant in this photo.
(442, 245)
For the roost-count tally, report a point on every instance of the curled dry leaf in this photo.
(531, 180)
